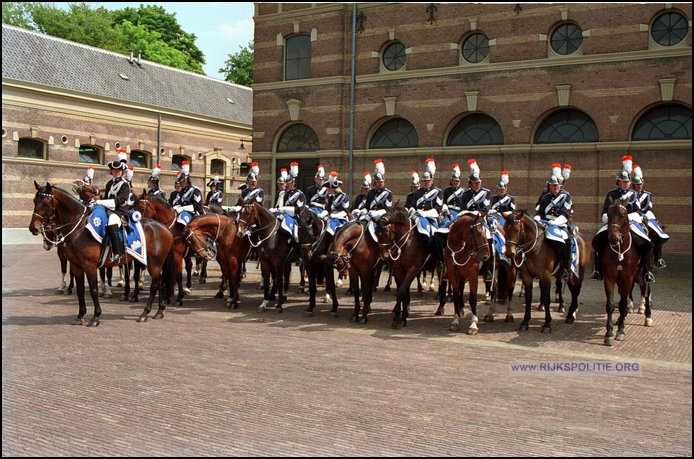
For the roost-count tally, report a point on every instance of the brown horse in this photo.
(229, 249)
(466, 249)
(526, 245)
(276, 250)
(314, 242)
(356, 252)
(621, 264)
(84, 252)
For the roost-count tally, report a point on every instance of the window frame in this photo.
(97, 150)
(557, 114)
(302, 63)
(300, 130)
(641, 122)
(467, 40)
(653, 43)
(147, 159)
(177, 160)
(377, 143)
(390, 46)
(552, 52)
(464, 131)
(36, 142)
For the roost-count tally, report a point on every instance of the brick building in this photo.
(66, 106)
(515, 86)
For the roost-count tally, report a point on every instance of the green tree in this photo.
(81, 24)
(239, 67)
(17, 14)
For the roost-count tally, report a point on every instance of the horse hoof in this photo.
(134, 299)
(641, 311)
(69, 292)
(187, 291)
(202, 281)
(349, 292)
(386, 288)
(523, 327)
(561, 309)
(620, 336)
(120, 284)
(488, 319)
(93, 323)
(509, 319)
(569, 319)
(439, 312)
(449, 299)
(333, 315)
(142, 318)
(178, 303)
(195, 273)
(101, 294)
(546, 330)
(472, 331)
(609, 340)
(630, 311)
(454, 328)
(364, 321)
(541, 307)
(278, 310)
(158, 315)
(78, 321)
(308, 313)
(109, 295)
(354, 319)
(648, 322)
(219, 295)
(124, 297)
(300, 289)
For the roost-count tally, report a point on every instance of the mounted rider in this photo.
(477, 200)
(360, 199)
(317, 194)
(338, 204)
(294, 204)
(428, 203)
(250, 191)
(645, 203)
(414, 186)
(281, 188)
(452, 198)
(189, 197)
(116, 201)
(379, 199)
(554, 209)
(153, 183)
(215, 195)
(629, 199)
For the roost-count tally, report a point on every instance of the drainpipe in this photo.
(159, 140)
(351, 102)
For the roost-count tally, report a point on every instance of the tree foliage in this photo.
(239, 67)
(149, 29)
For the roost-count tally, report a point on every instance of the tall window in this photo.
(177, 161)
(664, 123)
(395, 133)
(298, 137)
(567, 125)
(31, 148)
(476, 48)
(566, 39)
(669, 29)
(394, 57)
(217, 166)
(476, 129)
(298, 64)
(139, 159)
(90, 154)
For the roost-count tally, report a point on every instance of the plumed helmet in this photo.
(378, 177)
(122, 161)
(623, 176)
(638, 175)
(320, 174)
(89, 178)
(456, 172)
(431, 166)
(474, 168)
(214, 181)
(501, 186)
(426, 175)
(294, 169)
(566, 173)
(254, 168)
(474, 178)
(129, 173)
(626, 163)
(283, 174)
(380, 168)
(367, 180)
(556, 170)
(252, 176)
(333, 182)
(504, 180)
(156, 171)
(415, 179)
(185, 170)
(553, 180)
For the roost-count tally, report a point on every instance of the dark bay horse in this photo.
(84, 252)
(229, 249)
(314, 242)
(621, 264)
(408, 251)
(356, 252)
(276, 251)
(466, 249)
(536, 258)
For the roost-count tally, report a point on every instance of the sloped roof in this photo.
(42, 59)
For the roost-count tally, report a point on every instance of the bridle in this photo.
(50, 217)
(622, 233)
(249, 225)
(400, 243)
(347, 257)
(210, 248)
(472, 251)
(168, 223)
(311, 246)
(521, 236)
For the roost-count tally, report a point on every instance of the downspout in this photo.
(351, 102)
(159, 140)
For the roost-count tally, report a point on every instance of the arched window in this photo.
(395, 133)
(664, 123)
(217, 166)
(90, 154)
(31, 148)
(177, 161)
(298, 137)
(476, 129)
(139, 159)
(475, 48)
(394, 57)
(298, 58)
(567, 125)
(669, 29)
(566, 39)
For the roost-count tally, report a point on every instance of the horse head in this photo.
(246, 219)
(87, 192)
(468, 234)
(44, 208)
(344, 242)
(514, 229)
(195, 239)
(476, 235)
(144, 206)
(617, 223)
(311, 229)
(393, 230)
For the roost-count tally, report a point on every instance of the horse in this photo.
(356, 252)
(84, 252)
(621, 264)
(500, 289)
(525, 241)
(229, 249)
(277, 252)
(159, 209)
(408, 251)
(466, 250)
(314, 241)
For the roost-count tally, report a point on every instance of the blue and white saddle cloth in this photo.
(289, 225)
(334, 224)
(655, 226)
(561, 234)
(184, 217)
(133, 237)
(426, 226)
(635, 228)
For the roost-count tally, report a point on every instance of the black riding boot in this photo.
(567, 261)
(658, 252)
(115, 243)
(645, 251)
(561, 259)
(597, 271)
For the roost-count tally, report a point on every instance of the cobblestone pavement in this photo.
(207, 381)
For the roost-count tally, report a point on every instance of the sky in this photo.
(221, 27)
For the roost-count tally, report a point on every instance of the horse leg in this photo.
(102, 282)
(63, 274)
(311, 272)
(154, 273)
(575, 288)
(443, 286)
(329, 274)
(203, 272)
(545, 287)
(233, 278)
(265, 270)
(179, 251)
(198, 261)
(472, 330)
(609, 308)
(458, 287)
(279, 271)
(121, 281)
(558, 297)
(646, 297)
(72, 283)
(137, 268)
(189, 274)
(303, 272)
(125, 276)
(92, 280)
(79, 281)
(141, 279)
(368, 286)
(528, 289)
(354, 287)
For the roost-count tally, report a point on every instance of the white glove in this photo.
(604, 218)
(635, 217)
(188, 208)
(323, 214)
(376, 214)
(444, 209)
(289, 210)
(108, 203)
(559, 221)
(431, 213)
(342, 215)
(177, 209)
(356, 212)
(274, 210)
(650, 215)
(537, 218)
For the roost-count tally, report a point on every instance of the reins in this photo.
(622, 235)
(59, 236)
(522, 247)
(404, 239)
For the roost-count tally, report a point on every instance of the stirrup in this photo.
(660, 263)
(565, 274)
(487, 276)
(648, 278)
(115, 259)
(596, 276)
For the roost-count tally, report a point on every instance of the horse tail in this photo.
(502, 293)
(168, 274)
